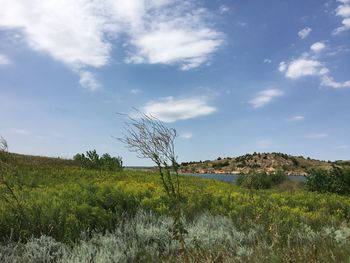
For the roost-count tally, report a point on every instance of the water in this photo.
(233, 177)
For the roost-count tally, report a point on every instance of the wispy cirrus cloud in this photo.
(4, 60)
(82, 33)
(186, 135)
(223, 9)
(316, 135)
(265, 97)
(170, 109)
(341, 147)
(20, 131)
(328, 81)
(296, 118)
(135, 91)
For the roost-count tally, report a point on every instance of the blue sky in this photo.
(231, 76)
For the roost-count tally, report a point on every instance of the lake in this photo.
(233, 177)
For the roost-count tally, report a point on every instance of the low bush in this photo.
(336, 181)
(261, 180)
(220, 165)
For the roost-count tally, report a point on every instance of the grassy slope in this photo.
(61, 200)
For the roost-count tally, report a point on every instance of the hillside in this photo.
(260, 162)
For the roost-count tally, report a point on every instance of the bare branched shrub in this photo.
(149, 138)
(3, 144)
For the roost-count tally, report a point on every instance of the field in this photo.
(55, 211)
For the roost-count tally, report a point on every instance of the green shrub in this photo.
(220, 165)
(261, 180)
(336, 181)
(93, 161)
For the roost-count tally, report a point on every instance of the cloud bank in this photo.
(82, 33)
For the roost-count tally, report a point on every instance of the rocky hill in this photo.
(260, 162)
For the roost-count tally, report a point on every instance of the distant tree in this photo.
(93, 161)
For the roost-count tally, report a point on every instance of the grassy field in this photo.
(61, 213)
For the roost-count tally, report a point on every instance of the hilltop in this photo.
(260, 162)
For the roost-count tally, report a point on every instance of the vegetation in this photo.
(71, 214)
(148, 137)
(93, 161)
(336, 180)
(261, 163)
(261, 180)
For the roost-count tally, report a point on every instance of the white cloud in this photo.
(264, 97)
(186, 135)
(171, 110)
(304, 32)
(267, 60)
(135, 91)
(302, 67)
(67, 30)
(296, 118)
(343, 11)
(282, 66)
(317, 47)
(341, 147)
(242, 24)
(223, 9)
(88, 80)
(330, 82)
(81, 33)
(175, 45)
(317, 135)
(344, 27)
(4, 60)
(21, 131)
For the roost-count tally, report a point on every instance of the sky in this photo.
(232, 77)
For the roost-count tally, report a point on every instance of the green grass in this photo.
(62, 201)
